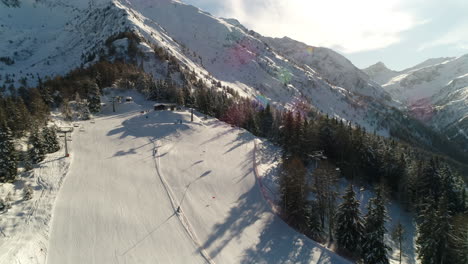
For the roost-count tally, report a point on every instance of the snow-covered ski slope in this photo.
(130, 173)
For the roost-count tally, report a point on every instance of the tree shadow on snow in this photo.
(241, 139)
(138, 127)
(218, 136)
(277, 242)
(246, 211)
(124, 153)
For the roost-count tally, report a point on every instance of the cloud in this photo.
(456, 37)
(349, 26)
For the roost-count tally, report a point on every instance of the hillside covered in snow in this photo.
(434, 91)
(282, 72)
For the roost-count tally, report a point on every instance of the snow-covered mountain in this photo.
(435, 91)
(421, 81)
(61, 36)
(334, 67)
(379, 73)
(64, 35)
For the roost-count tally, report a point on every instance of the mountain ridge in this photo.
(435, 91)
(215, 50)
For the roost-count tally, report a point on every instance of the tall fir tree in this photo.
(398, 235)
(37, 149)
(349, 223)
(50, 139)
(37, 106)
(8, 156)
(434, 231)
(94, 97)
(458, 252)
(292, 191)
(266, 121)
(325, 179)
(374, 249)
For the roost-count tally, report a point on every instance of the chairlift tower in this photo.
(65, 130)
(113, 103)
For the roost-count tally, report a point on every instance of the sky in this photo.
(399, 33)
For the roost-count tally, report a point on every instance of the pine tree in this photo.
(458, 252)
(374, 249)
(38, 148)
(8, 156)
(27, 162)
(2, 205)
(37, 106)
(349, 223)
(314, 228)
(27, 192)
(180, 100)
(66, 110)
(452, 185)
(45, 92)
(94, 98)
(434, 231)
(398, 235)
(325, 179)
(50, 139)
(292, 191)
(7, 201)
(266, 121)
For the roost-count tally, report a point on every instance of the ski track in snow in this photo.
(183, 219)
(181, 216)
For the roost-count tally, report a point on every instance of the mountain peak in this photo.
(379, 66)
(380, 73)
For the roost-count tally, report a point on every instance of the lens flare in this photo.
(262, 100)
(240, 51)
(284, 76)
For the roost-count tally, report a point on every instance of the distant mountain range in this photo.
(435, 91)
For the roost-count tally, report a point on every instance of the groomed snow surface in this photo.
(131, 171)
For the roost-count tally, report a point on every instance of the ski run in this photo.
(142, 189)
